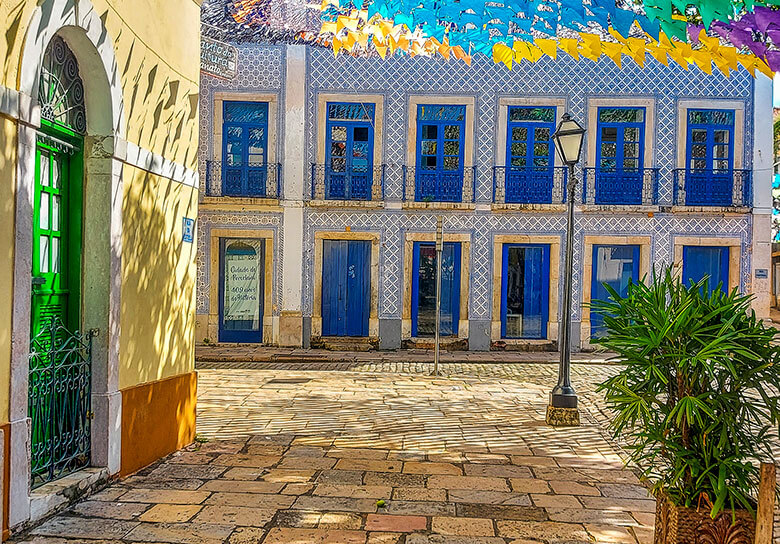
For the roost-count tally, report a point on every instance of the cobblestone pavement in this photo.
(294, 456)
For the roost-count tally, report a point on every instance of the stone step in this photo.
(346, 343)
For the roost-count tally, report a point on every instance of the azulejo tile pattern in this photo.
(482, 227)
(262, 70)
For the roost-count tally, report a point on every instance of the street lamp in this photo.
(562, 409)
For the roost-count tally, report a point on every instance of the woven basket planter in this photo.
(681, 525)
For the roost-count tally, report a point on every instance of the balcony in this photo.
(621, 187)
(529, 184)
(261, 181)
(423, 185)
(709, 187)
(356, 183)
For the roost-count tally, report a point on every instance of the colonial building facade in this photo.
(98, 200)
(325, 175)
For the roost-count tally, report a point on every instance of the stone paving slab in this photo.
(449, 508)
(373, 458)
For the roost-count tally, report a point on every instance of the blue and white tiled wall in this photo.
(262, 70)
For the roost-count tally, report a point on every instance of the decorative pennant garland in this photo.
(701, 33)
(527, 30)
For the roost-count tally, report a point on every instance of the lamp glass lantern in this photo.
(568, 139)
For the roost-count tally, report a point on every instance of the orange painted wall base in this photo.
(157, 418)
(6, 427)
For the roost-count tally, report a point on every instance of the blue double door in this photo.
(525, 291)
(424, 289)
(614, 266)
(711, 262)
(346, 287)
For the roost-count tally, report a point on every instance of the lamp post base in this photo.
(562, 417)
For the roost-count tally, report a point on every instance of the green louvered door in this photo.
(60, 357)
(50, 274)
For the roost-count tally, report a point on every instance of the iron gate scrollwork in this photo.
(59, 401)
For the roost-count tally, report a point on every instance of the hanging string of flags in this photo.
(726, 33)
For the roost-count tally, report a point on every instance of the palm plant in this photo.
(697, 400)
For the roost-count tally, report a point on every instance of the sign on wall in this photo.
(187, 230)
(242, 287)
(217, 58)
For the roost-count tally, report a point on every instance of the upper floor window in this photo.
(620, 138)
(529, 130)
(440, 145)
(349, 149)
(245, 148)
(710, 144)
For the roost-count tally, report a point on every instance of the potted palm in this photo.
(695, 403)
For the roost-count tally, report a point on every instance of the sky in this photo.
(776, 87)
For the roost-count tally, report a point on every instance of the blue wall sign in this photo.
(187, 230)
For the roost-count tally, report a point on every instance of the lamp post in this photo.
(562, 409)
(439, 253)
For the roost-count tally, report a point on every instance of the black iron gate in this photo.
(59, 401)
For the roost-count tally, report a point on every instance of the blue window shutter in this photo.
(441, 137)
(244, 148)
(349, 151)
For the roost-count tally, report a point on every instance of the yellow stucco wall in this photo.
(7, 195)
(158, 280)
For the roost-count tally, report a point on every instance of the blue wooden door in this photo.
(620, 155)
(241, 288)
(424, 289)
(525, 286)
(613, 266)
(350, 151)
(710, 148)
(346, 286)
(441, 131)
(710, 261)
(530, 155)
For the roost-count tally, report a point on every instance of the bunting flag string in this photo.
(702, 33)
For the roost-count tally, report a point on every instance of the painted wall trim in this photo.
(149, 161)
(9, 102)
(19, 107)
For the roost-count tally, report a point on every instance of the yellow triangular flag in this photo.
(336, 46)
(729, 54)
(386, 27)
(570, 46)
(749, 62)
(521, 50)
(591, 46)
(548, 47)
(503, 53)
(659, 52)
(764, 68)
(703, 60)
(534, 53)
(614, 51)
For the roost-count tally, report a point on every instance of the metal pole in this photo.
(564, 395)
(439, 250)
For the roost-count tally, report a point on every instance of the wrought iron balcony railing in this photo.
(355, 183)
(256, 181)
(424, 185)
(699, 187)
(620, 186)
(529, 184)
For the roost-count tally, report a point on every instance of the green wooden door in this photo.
(51, 274)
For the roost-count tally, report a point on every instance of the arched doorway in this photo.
(59, 386)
